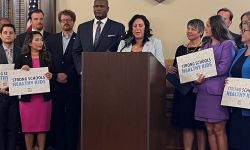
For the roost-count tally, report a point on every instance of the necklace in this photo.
(195, 49)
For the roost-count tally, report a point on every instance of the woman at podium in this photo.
(139, 39)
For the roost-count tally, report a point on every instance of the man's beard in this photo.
(39, 27)
(67, 28)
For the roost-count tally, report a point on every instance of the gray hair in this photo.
(247, 14)
(197, 24)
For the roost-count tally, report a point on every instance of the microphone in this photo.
(116, 42)
(128, 41)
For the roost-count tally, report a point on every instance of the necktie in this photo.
(97, 33)
(10, 56)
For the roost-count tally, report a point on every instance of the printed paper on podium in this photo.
(190, 66)
(237, 93)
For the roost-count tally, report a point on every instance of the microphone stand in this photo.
(127, 42)
(116, 41)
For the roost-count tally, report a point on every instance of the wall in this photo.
(168, 19)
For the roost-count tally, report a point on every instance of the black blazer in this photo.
(63, 63)
(21, 37)
(3, 57)
(108, 41)
(3, 60)
(27, 60)
(237, 40)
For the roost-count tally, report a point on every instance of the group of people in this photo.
(199, 112)
(58, 112)
(37, 113)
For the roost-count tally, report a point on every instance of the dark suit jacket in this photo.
(63, 63)
(3, 57)
(21, 37)
(3, 60)
(108, 41)
(237, 40)
(27, 60)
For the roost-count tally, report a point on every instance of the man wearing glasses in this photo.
(65, 86)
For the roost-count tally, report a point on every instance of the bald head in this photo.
(101, 8)
(105, 1)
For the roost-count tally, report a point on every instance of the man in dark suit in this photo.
(98, 35)
(65, 84)
(37, 20)
(228, 18)
(8, 105)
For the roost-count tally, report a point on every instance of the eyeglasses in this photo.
(244, 30)
(243, 23)
(66, 20)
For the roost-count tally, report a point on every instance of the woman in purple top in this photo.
(209, 90)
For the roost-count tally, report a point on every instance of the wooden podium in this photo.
(123, 102)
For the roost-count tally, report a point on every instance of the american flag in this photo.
(33, 5)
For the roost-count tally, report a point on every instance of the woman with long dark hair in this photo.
(139, 33)
(210, 90)
(35, 109)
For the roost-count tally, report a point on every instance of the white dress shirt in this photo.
(95, 26)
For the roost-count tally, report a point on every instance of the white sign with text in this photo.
(22, 82)
(190, 66)
(4, 74)
(237, 93)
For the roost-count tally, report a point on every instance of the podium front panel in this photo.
(115, 100)
(116, 107)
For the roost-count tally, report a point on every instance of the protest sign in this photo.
(190, 66)
(23, 82)
(4, 75)
(237, 93)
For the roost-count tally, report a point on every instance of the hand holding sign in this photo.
(200, 79)
(4, 90)
(48, 75)
(25, 67)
